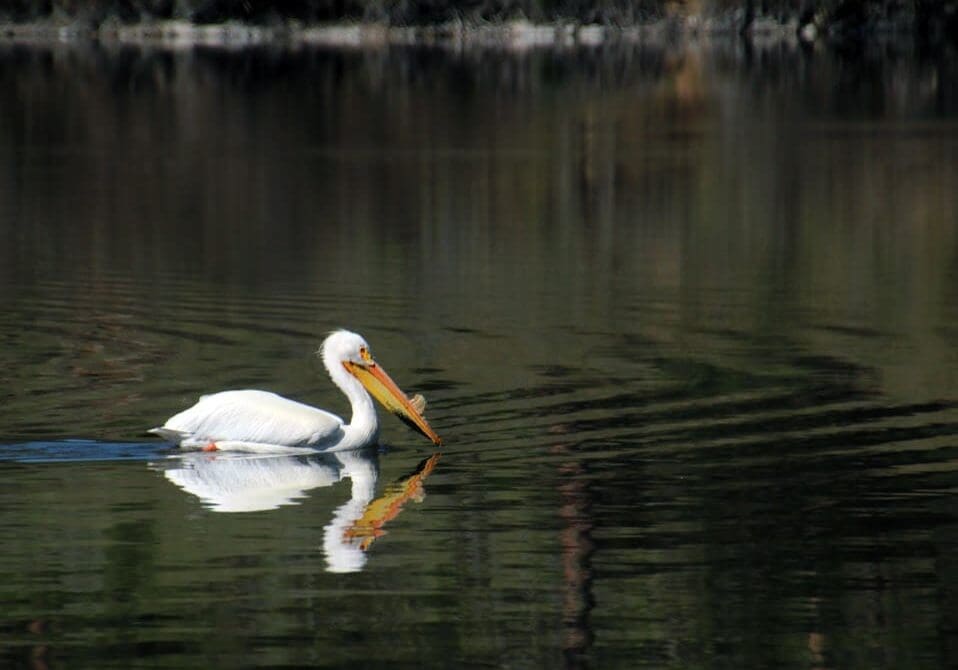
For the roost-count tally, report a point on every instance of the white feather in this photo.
(252, 416)
(260, 421)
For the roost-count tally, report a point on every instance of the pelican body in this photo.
(251, 420)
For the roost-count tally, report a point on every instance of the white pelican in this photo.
(260, 421)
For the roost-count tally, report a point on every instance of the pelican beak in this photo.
(381, 386)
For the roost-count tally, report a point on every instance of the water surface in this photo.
(685, 322)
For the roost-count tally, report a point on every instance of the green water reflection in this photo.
(685, 321)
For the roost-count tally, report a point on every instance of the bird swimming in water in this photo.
(261, 421)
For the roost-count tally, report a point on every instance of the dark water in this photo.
(686, 321)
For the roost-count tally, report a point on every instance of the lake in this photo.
(685, 318)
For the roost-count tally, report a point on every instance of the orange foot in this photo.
(211, 446)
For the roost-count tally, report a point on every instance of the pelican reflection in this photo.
(241, 482)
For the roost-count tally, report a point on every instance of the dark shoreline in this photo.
(517, 34)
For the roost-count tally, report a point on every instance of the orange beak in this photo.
(381, 386)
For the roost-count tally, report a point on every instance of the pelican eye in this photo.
(365, 355)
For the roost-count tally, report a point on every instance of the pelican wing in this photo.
(251, 416)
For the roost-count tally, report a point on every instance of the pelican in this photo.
(260, 421)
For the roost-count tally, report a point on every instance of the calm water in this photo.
(686, 321)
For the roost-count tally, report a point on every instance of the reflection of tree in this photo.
(577, 548)
(39, 653)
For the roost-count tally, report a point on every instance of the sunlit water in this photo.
(685, 322)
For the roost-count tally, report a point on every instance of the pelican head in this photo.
(345, 351)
